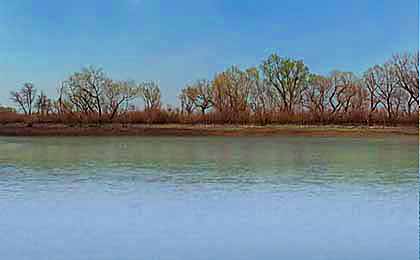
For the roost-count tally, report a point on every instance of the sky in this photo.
(177, 42)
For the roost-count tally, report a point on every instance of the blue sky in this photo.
(176, 42)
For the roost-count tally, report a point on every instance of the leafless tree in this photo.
(407, 72)
(263, 98)
(85, 90)
(25, 98)
(231, 93)
(119, 93)
(43, 104)
(344, 89)
(371, 82)
(187, 100)
(150, 92)
(316, 96)
(387, 87)
(200, 93)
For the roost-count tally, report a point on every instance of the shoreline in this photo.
(204, 130)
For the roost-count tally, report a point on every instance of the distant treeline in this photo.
(279, 91)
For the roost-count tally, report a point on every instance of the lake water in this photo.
(209, 198)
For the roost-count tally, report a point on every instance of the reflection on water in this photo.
(209, 198)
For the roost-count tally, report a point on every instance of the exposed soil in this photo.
(200, 130)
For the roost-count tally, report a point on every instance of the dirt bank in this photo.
(200, 130)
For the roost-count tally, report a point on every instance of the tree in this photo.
(258, 91)
(187, 100)
(25, 98)
(263, 99)
(289, 77)
(150, 92)
(371, 82)
(316, 95)
(92, 92)
(199, 95)
(388, 82)
(407, 72)
(345, 87)
(85, 90)
(119, 93)
(43, 104)
(231, 93)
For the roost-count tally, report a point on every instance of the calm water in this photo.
(208, 198)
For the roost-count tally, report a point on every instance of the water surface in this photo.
(208, 198)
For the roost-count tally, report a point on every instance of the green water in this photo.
(209, 198)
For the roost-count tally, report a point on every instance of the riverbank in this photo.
(200, 130)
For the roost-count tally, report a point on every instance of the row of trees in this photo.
(283, 86)
(89, 93)
(280, 90)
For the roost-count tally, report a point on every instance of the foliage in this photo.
(280, 90)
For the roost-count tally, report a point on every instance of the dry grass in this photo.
(162, 117)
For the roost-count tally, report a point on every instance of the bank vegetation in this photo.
(279, 91)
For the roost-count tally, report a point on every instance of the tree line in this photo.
(280, 90)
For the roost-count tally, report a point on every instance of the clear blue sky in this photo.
(175, 42)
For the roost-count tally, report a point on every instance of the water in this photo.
(208, 198)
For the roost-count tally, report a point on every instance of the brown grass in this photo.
(172, 122)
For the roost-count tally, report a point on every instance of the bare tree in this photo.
(316, 96)
(43, 104)
(150, 92)
(231, 93)
(91, 92)
(344, 89)
(407, 72)
(119, 93)
(371, 82)
(200, 94)
(388, 87)
(187, 100)
(59, 104)
(85, 90)
(263, 98)
(25, 98)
